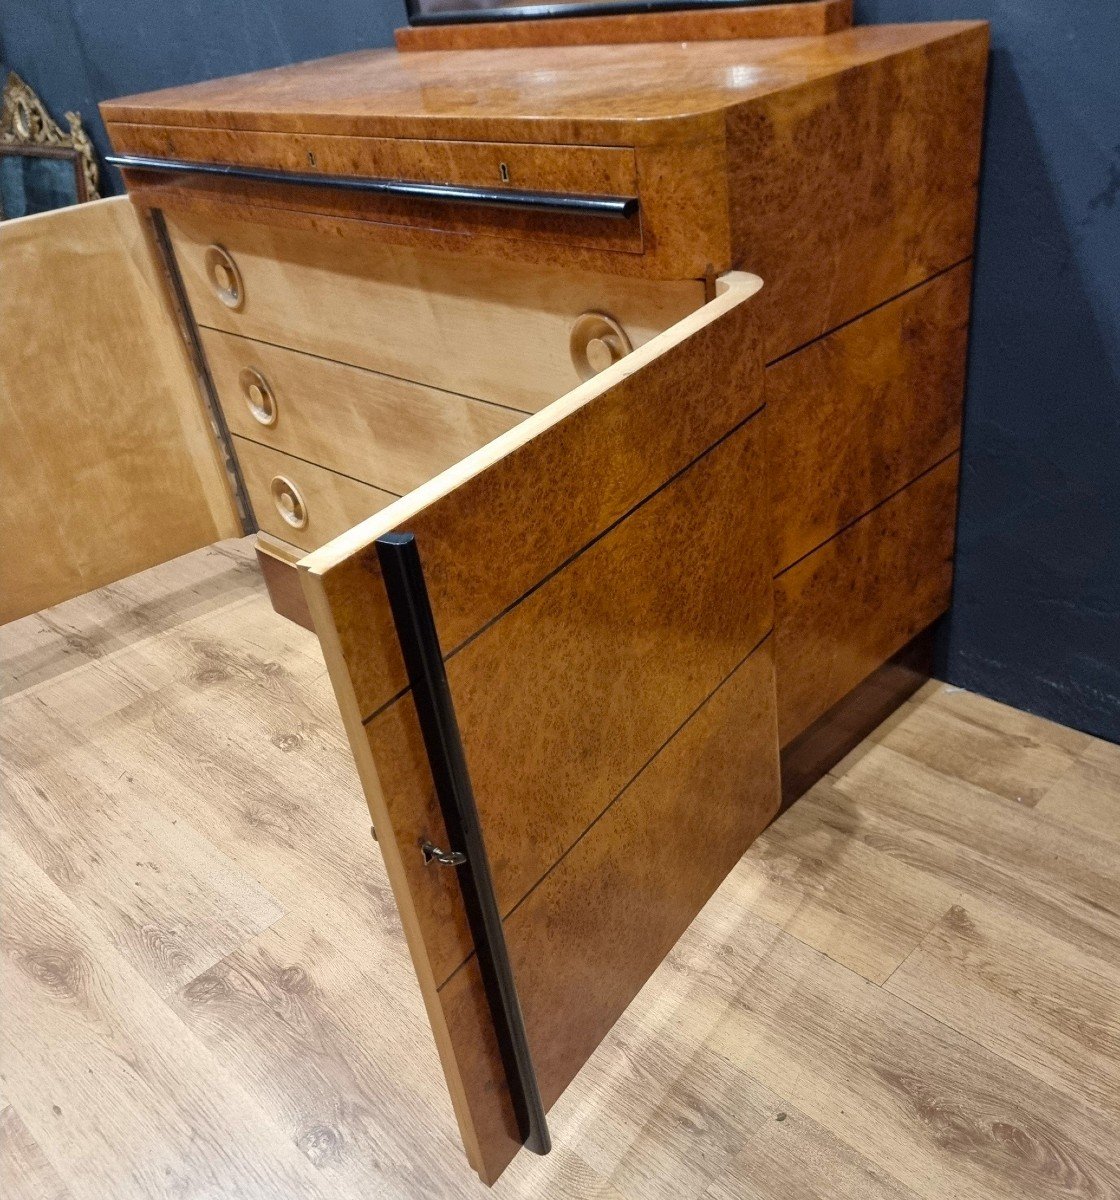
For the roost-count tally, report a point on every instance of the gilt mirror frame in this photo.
(27, 130)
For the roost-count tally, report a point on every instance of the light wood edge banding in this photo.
(394, 867)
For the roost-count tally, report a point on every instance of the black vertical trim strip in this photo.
(202, 369)
(416, 630)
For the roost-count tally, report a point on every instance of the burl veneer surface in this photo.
(564, 698)
(613, 95)
(846, 190)
(587, 938)
(858, 414)
(846, 608)
(578, 570)
(496, 535)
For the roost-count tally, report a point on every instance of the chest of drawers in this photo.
(606, 400)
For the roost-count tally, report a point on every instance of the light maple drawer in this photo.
(504, 332)
(387, 432)
(300, 502)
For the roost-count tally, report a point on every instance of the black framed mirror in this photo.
(449, 12)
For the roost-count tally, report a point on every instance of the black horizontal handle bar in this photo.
(568, 203)
(407, 590)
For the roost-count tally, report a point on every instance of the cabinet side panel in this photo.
(846, 190)
(108, 459)
(594, 585)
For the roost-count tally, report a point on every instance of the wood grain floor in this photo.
(910, 987)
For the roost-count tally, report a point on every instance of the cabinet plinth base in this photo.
(812, 754)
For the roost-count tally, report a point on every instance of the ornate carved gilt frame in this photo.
(27, 128)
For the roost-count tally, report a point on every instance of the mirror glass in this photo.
(33, 181)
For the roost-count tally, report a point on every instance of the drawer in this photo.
(387, 432)
(861, 413)
(845, 609)
(300, 502)
(501, 332)
(295, 173)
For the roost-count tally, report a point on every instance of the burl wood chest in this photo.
(608, 399)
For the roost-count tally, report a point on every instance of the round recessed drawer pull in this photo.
(596, 342)
(289, 503)
(258, 396)
(224, 276)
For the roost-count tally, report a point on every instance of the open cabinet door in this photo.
(108, 460)
(601, 698)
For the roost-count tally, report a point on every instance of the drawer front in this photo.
(293, 163)
(384, 431)
(499, 332)
(578, 170)
(300, 502)
(842, 611)
(861, 413)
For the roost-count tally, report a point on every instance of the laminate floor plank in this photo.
(843, 896)
(1088, 794)
(167, 898)
(794, 1158)
(1034, 999)
(932, 1109)
(362, 1098)
(232, 716)
(276, 786)
(126, 1099)
(47, 644)
(1011, 753)
(695, 1132)
(1058, 876)
(25, 1171)
(286, 1053)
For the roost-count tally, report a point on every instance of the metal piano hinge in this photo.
(445, 858)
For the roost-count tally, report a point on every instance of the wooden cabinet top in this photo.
(608, 94)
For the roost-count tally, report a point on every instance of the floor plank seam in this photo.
(919, 943)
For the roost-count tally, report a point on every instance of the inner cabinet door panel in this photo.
(108, 459)
(600, 580)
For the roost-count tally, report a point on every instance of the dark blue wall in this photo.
(1036, 615)
(1036, 609)
(75, 53)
